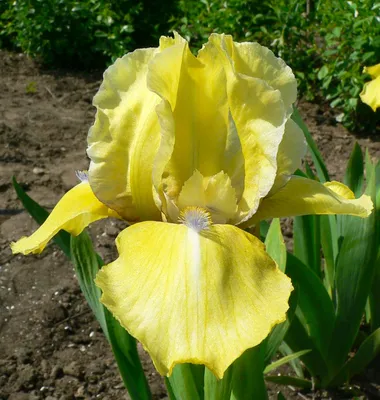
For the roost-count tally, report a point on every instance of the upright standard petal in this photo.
(259, 114)
(193, 115)
(125, 137)
(257, 61)
(77, 209)
(190, 297)
(291, 151)
(301, 196)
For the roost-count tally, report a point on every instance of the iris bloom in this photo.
(371, 90)
(190, 151)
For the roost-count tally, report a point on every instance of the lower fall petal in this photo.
(192, 297)
(301, 196)
(77, 209)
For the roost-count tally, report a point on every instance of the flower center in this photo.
(196, 218)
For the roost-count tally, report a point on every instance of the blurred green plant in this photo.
(327, 43)
(78, 34)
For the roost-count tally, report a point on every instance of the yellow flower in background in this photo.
(190, 150)
(371, 90)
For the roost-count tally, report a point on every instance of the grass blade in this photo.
(284, 360)
(39, 214)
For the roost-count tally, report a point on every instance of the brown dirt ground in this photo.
(50, 345)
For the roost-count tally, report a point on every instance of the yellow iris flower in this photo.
(190, 150)
(371, 90)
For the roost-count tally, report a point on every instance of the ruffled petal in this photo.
(301, 196)
(257, 61)
(374, 71)
(259, 114)
(193, 115)
(77, 209)
(189, 297)
(125, 138)
(291, 151)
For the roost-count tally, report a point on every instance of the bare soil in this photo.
(51, 347)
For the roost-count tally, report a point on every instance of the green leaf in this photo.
(39, 214)
(307, 245)
(355, 268)
(280, 396)
(323, 72)
(87, 263)
(218, 388)
(186, 381)
(315, 154)
(368, 350)
(289, 381)
(248, 368)
(284, 360)
(354, 175)
(329, 243)
(273, 341)
(315, 308)
(275, 245)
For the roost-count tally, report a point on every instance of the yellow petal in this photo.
(291, 151)
(301, 196)
(76, 210)
(259, 114)
(125, 138)
(214, 193)
(257, 61)
(193, 115)
(191, 297)
(374, 71)
(371, 93)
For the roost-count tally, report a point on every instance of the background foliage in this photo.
(326, 42)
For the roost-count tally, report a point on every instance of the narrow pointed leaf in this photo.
(87, 263)
(284, 360)
(329, 243)
(248, 368)
(315, 309)
(218, 388)
(186, 381)
(354, 272)
(354, 175)
(275, 245)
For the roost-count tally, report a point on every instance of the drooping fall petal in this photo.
(201, 298)
(75, 211)
(301, 196)
(125, 137)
